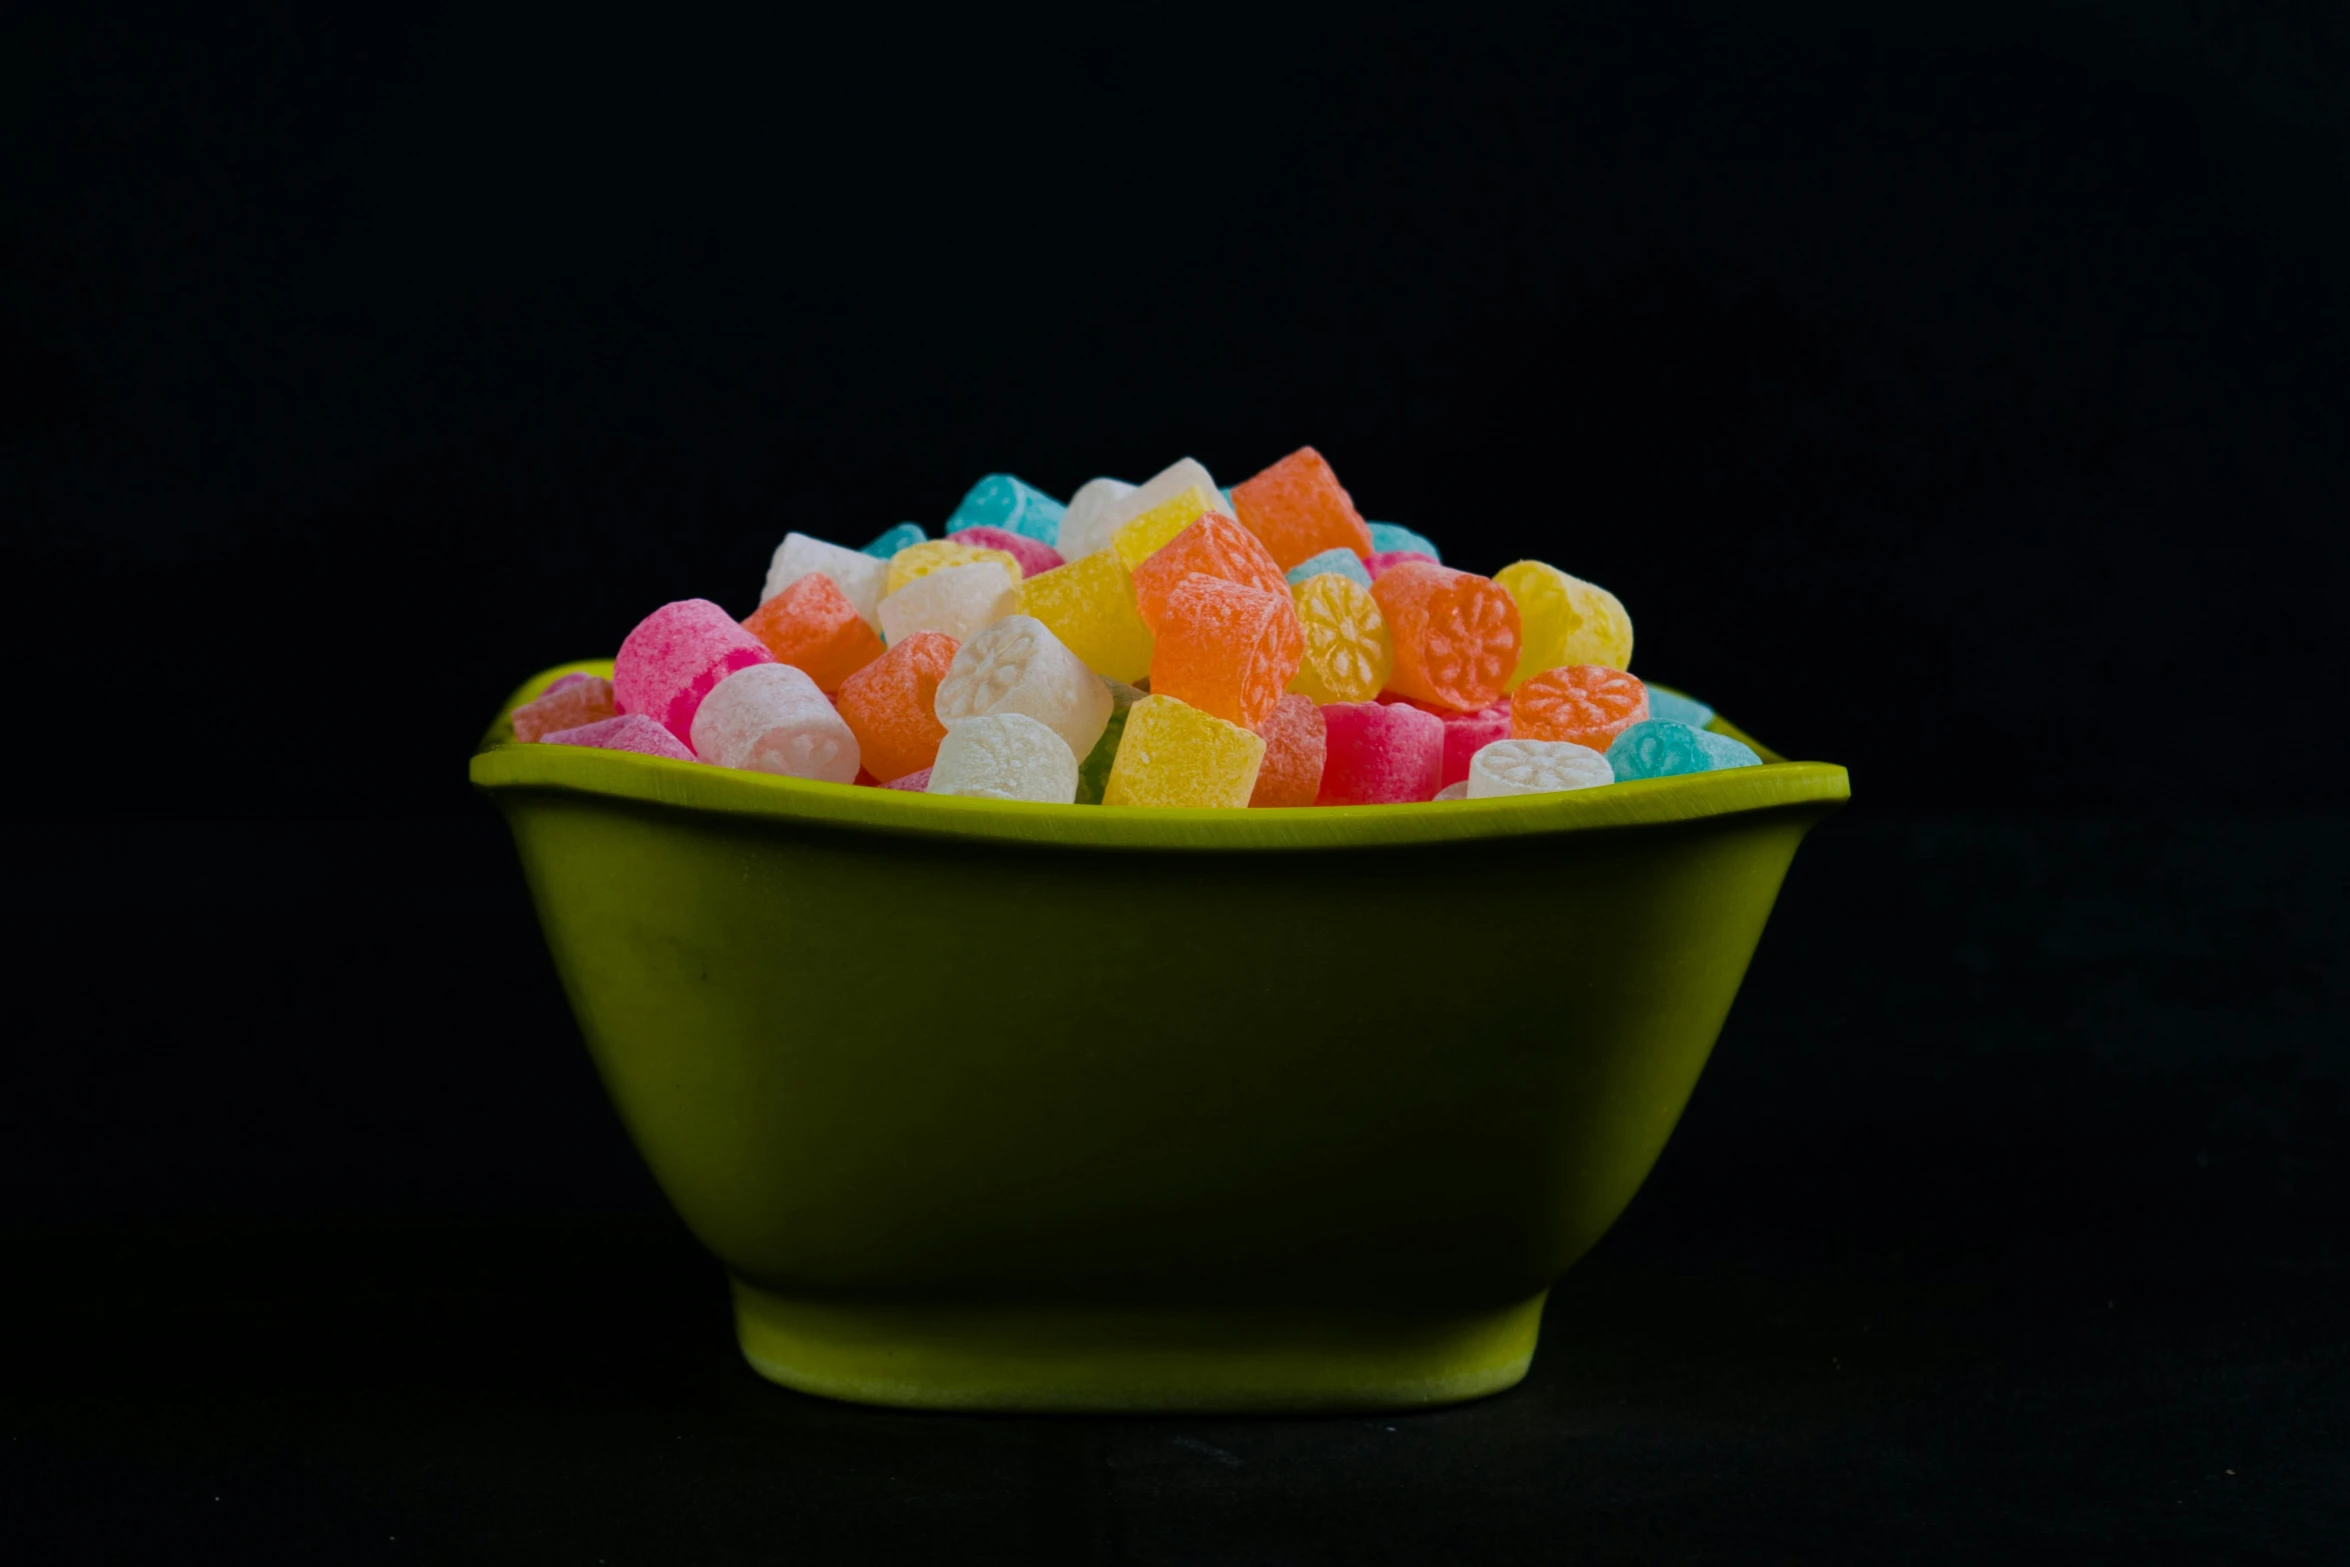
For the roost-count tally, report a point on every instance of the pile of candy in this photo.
(1168, 644)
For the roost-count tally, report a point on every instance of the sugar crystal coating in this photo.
(1661, 748)
(957, 600)
(771, 719)
(811, 625)
(674, 656)
(1175, 756)
(1005, 756)
(1144, 535)
(1348, 654)
(629, 732)
(1212, 546)
(1454, 791)
(1680, 709)
(1001, 501)
(1379, 565)
(1017, 665)
(1296, 743)
(902, 537)
(920, 560)
(1565, 619)
(1467, 733)
(1032, 556)
(569, 703)
(1536, 767)
(1298, 507)
(1226, 649)
(1093, 772)
(1387, 538)
(1589, 704)
(1087, 525)
(1455, 635)
(854, 572)
(1344, 563)
(1380, 753)
(1089, 604)
(912, 783)
(1177, 477)
(891, 704)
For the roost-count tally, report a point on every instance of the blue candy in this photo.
(904, 536)
(1345, 563)
(1680, 709)
(1001, 501)
(1386, 536)
(1660, 748)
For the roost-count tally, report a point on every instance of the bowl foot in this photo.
(1053, 1358)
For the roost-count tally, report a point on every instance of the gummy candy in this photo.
(913, 783)
(1093, 773)
(1296, 741)
(1379, 565)
(1680, 709)
(1536, 767)
(1455, 635)
(1001, 501)
(1387, 539)
(629, 732)
(1018, 666)
(1178, 476)
(891, 704)
(569, 703)
(1087, 525)
(1005, 756)
(902, 537)
(1565, 620)
(1175, 755)
(1661, 748)
(1380, 753)
(957, 600)
(1213, 546)
(1454, 791)
(1344, 563)
(1089, 604)
(1347, 654)
(1144, 535)
(1226, 649)
(813, 626)
(1466, 733)
(1589, 704)
(854, 572)
(1298, 507)
(1032, 556)
(920, 560)
(674, 656)
(770, 718)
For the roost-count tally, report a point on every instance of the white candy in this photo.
(1118, 511)
(1083, 527)
(1018, 666)
(957, 600)
(859, 575)
(1454, 791)
(1535, 767)
(1005, 756)
(770, 718)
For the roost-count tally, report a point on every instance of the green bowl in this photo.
(988, 1105)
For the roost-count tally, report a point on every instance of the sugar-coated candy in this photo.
(1380, 565)
(1032, 556)
(770, 718)
(912, 783)
(854, 572)
(1169, 482)
(1347, 656)
(1226, 649)
(1661, 748)
(1298, 507)
(902, 537)
(568, 703)
(1467, 733)
(1680, 709)
(916, 561)
(1005, 756)
(1344, 563)
(1380, 753)
(1174, 755)
(1211, 546)
(1387, 539)
(1589, 704)
(1087, 524)
(629, 732)
(1089, 604)
(1144, 535)
(1093, 772)
(1001, 501)
(811, 625)
(957, 600)
(1454, 791)
(1536, 767)
(1455, 635)
(1565, 619)
(892, 704)
(1296, 742)
(1017, 665)
(674, 656)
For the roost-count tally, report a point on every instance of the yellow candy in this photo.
(1564, 620)
(920, 560)
(1348, 651)
(1089, 605)
(1144, 536)
(1174, 754)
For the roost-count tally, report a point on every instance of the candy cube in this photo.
(1565, 621)
(568, 703)
(957, 600)
(1536, 767)
(1093, 773)
(1005, 756)
(772, 719)
(854, 572)
(1227, 650)
(1661, 748)
(1089, 604)
(1377, 566)
(811, 625)
(1299, 509)
(674, 656)
(902, 537)
(920, 560)
(1296, 742)
(891, 705)
(629, 732)
(1087, 525)
(1348, 654)
(1455, 635)
(1174, 755)
(1465, 734)
(1149, 532)
(1673, 705)
(1001, 501)
(1344, 563)
(1017, 665)
(1380, 753)
(1387, 539)
(1032, 556)
(1586, 703)
(1212, 546)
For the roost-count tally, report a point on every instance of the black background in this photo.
(1957, 394)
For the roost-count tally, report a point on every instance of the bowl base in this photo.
(1037, 1359)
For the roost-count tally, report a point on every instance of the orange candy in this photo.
(812, 625)
(1456, 635)
(891, 705)
(1299, 509)
(1296, 744)
(1586, 703)
(1214, 546)
(1226, 649)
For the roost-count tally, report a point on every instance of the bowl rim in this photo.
(502, 764)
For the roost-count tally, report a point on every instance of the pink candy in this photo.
(1381, 753)
(629, 732)
(673, 658)
(1381, 562)
(1465, 734)
(919, 783)
(1033, 555)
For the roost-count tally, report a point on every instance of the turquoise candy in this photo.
(904, 536)
(1660, 748)
(1001, 501)
(1093, 774)
(1386, 537)
(1346, 563)
(1680, 709)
